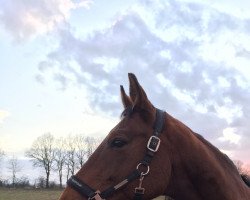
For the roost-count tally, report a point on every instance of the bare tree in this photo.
(240, 167)
(67, 164)
(43, 154)
(91, 145)
(14, 167)
(70, 155)
(60, 157)
(81, 151)
(85, 146)
(78, 150)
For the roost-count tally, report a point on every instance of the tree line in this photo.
(64, 155)
(61, 155)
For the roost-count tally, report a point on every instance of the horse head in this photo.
(149, 153)
(122, 162)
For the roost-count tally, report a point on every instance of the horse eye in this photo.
(118, 143)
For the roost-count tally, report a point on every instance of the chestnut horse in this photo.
(149, 153)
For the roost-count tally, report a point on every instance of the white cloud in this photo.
(186, 57)
(136, 46)
(3, 115)
(229, 134)
(24, 18)
(109, 64)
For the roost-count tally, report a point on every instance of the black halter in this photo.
(141, 170)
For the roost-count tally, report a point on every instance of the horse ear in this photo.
(138, 95)
(126, 101)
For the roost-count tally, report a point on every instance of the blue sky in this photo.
(62, 61)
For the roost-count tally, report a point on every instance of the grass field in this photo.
(29, 194)
(36, 194)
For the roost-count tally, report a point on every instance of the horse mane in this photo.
(217, 152)
(246, 179)
(222, 156)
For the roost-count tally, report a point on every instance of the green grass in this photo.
(29, 194)
(35, 194)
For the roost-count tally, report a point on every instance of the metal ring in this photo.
(143, 173)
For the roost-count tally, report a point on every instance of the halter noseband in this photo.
(140, 172)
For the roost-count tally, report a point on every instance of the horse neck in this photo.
(199, 170)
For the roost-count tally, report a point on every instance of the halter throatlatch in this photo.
(140, 172)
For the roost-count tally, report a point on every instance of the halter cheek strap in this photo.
(152, 147)
(140, 172)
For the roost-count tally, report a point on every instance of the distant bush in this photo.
(53, 185)
(20, 183)
(4, 183)
(23, 182)
(40, 182)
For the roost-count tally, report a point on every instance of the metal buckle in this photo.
(139, 190)
(153, 143)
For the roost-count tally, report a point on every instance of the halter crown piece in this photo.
(140, 172)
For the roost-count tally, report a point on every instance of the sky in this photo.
(62, 61)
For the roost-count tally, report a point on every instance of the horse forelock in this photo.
(126, 112)
(146, 115)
